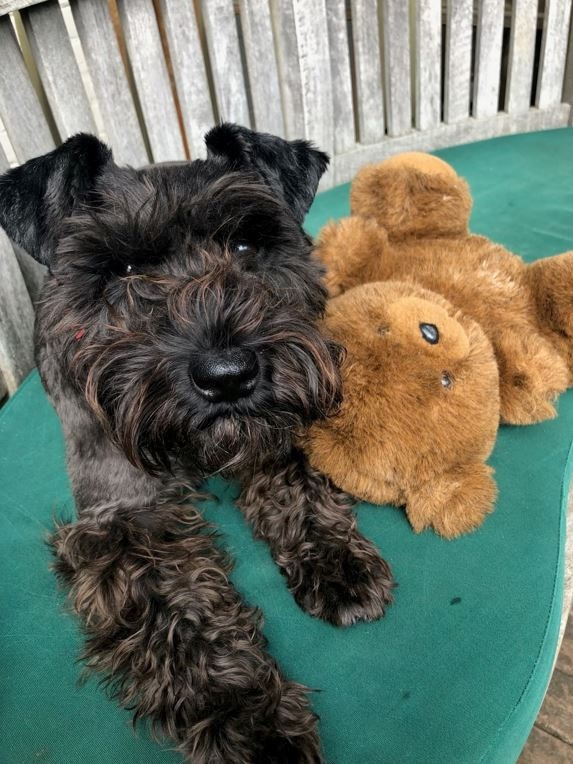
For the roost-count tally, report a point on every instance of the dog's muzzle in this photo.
(224, 375)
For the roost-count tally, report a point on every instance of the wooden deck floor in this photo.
(551, 739)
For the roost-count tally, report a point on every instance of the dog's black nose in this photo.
(224, 375)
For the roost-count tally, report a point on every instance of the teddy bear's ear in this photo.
(408, 201)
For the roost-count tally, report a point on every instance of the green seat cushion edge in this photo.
(457, 669)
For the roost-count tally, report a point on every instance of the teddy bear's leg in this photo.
(351, 250)
(453, 503)
(551, 282)
(531, 375)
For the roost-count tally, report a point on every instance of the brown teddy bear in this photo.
(420, 409)
(410, 223)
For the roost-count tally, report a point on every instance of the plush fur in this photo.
(420, 411)
(410, 223)
(177, 338)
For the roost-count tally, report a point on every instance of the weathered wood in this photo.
(553, 53)
(226, 65)
(316, 78)
(555, 714)
(397, 66)
(16, 319)
(565, 658)
(368, 67)
(488, 58)
(264, 87)
(7, 6)
(521, 54)
(58, 69)
(189, 71)
(543, 748)
(99, 43)
(152, 79)
(458, 60)
(33, 273)
(4, 163)
(568, 76)
(20, 109)
(343, 109)
(444, 135)
(290, 77)
(428, 63)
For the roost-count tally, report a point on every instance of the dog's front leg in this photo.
(173, 639)
(333, 572)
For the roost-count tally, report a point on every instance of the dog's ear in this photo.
(291, 168)
(37, 197)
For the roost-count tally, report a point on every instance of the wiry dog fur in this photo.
(157, 277)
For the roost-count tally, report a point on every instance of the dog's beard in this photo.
(149, 411)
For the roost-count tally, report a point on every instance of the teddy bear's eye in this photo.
(430, 333)
(382, 330)
(447, 381)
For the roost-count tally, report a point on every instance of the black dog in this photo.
(177, 338)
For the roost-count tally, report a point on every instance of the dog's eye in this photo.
(243, 248)
(129, 270)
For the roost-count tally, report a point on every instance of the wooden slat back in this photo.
(58, 69)
(20, 110)
(226, 64)
(521, 56)
(341, 71)
(368, 66)
(257, 28)
(290, 76)
(488, 58)
(190, 72)
(151, 76)
(396, 25)
(458, 60)
(428, 63)
(16, 319)
(553, 52)
(103, 57)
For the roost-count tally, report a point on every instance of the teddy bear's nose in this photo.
(430, 333)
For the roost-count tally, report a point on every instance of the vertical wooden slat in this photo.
(99, 43)
(316, 78)
(58, 69)
(568, 76)
(343, 110)
(225, 56)
(553, 52)
(521, 55)
(368, 66)
(16, 319)
(290, 78)
(152, 79)
(33, 273)
(457, 74)
(396, 25)
(20, 110)
(4, 163)
(428, 63)
(189, 71)
(488, 58)
(257, 30)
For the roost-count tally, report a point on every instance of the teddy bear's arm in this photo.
(351, 249)
(453, 503)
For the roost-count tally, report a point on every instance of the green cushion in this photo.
(457, 669)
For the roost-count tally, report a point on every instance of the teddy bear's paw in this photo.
(455, 503)
(343, 584)
(532, 374)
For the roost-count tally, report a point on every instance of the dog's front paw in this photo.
(343, 584)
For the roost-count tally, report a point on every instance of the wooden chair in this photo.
(363, 79)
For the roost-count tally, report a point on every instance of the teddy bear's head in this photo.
(420, 387)
(413, 194)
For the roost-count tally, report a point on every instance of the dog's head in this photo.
(182, 299)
